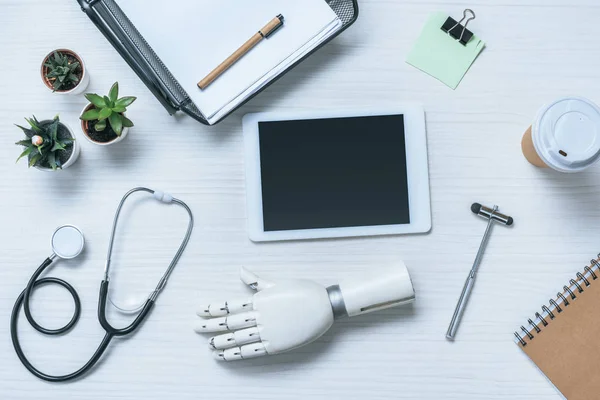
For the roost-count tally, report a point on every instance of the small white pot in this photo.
(83, 82)
(117, 140)
(74, 155)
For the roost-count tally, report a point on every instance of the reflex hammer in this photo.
(492, 215)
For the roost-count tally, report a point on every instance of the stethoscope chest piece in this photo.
(67, 242)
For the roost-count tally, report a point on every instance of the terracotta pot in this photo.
(83, 82)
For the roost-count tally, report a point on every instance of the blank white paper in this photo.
(193, 37)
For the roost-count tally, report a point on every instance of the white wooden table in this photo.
(536, 51)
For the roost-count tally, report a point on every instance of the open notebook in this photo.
(562, 339)
(192, 37)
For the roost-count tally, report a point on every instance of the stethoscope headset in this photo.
(67, 243)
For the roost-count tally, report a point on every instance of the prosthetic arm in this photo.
(286, 315)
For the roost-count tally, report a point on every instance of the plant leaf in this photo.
(104, 113)
(125, 101)
(90, 115)
(116, 123)
(100, 126)
(57, 146)
(107, 100)
(119, 109)
(34, 159)
(113, 95)
(34, 124)
(52, 161)
(28, 132)
(53, 130)
(95, 100)
(24, 142)
(127, 123)
(26, 152)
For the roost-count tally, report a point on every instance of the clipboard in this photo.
(133, 48)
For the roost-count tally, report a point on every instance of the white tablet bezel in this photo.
(417, 174)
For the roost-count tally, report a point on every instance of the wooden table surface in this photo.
(537, 50)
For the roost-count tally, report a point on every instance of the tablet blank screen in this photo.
(333, 173)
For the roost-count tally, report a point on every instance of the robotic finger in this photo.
(229, 323)
(241, 353)
(225, 308)
(233, 339)
(254, 281)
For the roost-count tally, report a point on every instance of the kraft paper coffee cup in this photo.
(565, 136)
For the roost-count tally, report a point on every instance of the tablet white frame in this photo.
(416, 163)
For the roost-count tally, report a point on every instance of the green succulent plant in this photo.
(109, 108)
(61, 72)
(43, 143)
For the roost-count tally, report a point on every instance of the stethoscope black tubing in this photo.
(107, 326)
(23, 301)
(34, 282)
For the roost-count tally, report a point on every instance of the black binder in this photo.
(125, 38)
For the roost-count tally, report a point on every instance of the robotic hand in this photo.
(290, 314)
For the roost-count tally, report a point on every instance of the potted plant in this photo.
(103, 121)
(49, 144)
(64, 72)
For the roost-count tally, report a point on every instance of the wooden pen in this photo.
(264, 33)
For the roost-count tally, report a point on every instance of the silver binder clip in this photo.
(458, 31)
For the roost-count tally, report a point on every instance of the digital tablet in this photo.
(336, 174)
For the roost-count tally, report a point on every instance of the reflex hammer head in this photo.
(488, 213)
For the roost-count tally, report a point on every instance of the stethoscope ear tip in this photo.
(67, 242)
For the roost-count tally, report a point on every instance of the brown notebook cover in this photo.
(563, 339)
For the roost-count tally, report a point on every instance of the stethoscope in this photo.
(67, 243)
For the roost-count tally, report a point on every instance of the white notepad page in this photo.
(321, 37)
(193, 37)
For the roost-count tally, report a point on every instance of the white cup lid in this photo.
(566, 134)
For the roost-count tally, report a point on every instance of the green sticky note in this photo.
(440, 55)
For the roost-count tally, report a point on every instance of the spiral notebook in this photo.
(562, 338)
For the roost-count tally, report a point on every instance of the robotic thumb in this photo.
(252, 280)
